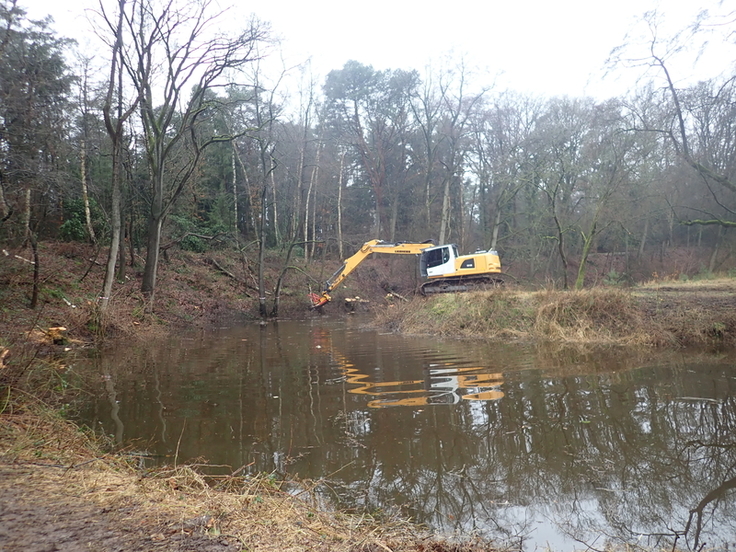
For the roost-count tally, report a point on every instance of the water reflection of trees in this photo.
(598, 449)
(642, 452)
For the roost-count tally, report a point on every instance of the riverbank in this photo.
(64, 488)
(663, 314)
(61, 488)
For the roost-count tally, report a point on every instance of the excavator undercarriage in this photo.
(463, 283)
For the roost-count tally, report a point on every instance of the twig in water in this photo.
(178, 443)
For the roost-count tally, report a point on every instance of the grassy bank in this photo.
(71, 493)
(658, 314)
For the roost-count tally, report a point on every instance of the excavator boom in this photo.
(445, 269)
(368, 248)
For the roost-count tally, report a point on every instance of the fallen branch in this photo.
(222, 269)
(166, 247)
(394, 294)
(230, 275)
(7, 254)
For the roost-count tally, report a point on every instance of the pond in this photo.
(530, 446)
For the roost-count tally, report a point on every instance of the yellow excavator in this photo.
(443, 267)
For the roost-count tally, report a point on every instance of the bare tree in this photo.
(700, 118)
(172, 50)
(115, 115)
(459, 106)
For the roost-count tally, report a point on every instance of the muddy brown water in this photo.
(531, 446)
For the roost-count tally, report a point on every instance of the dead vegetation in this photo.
(673, 314)
(53, 474)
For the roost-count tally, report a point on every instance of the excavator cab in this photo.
(438, 260)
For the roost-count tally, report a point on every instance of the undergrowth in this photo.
(605, 315)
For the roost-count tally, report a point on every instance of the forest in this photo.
(183, 139)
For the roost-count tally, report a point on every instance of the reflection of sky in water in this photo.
(463, 436)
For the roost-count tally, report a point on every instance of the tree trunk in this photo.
(587, 243)
(280, 281)
(235, 188)
(714, 254)
(394, 217)
(155, 224)
(445, 220)
(27, 216)
(130, 239)
(251, 195)
(122, 264)
(276, 231)
(496, 229)
(314, 224)
(115, 132)
(307, 201)
(262, 308)
(295, 220)
(36, 270)
(116, 226)
(339, 206)
(644, 237)
(85, 196)
(312, 183)
(561, 250)
(4, 210)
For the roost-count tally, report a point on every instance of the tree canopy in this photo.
(187, 140)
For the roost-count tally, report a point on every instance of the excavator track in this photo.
(468, 283)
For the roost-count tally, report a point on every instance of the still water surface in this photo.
(525, 445)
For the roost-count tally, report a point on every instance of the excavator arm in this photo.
(368, 248)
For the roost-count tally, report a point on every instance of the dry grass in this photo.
(599, 315)
(53, 462)
(673, 315)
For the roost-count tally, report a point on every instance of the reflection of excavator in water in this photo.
(443, 381)
(443, 267)
(442, 384)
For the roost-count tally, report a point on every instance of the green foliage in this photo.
(34, 102)
(614, 278)
(444, 304)
(703, 274)
(208, 222)
(74, 227)
(73, 230)
(55, 293)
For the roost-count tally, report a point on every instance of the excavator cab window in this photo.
(436, 257)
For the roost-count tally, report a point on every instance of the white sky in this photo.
(542, 47)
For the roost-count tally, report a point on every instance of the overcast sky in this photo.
(542, 47)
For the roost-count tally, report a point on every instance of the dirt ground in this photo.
(57, 493)
(45, 508)
(693, 313)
